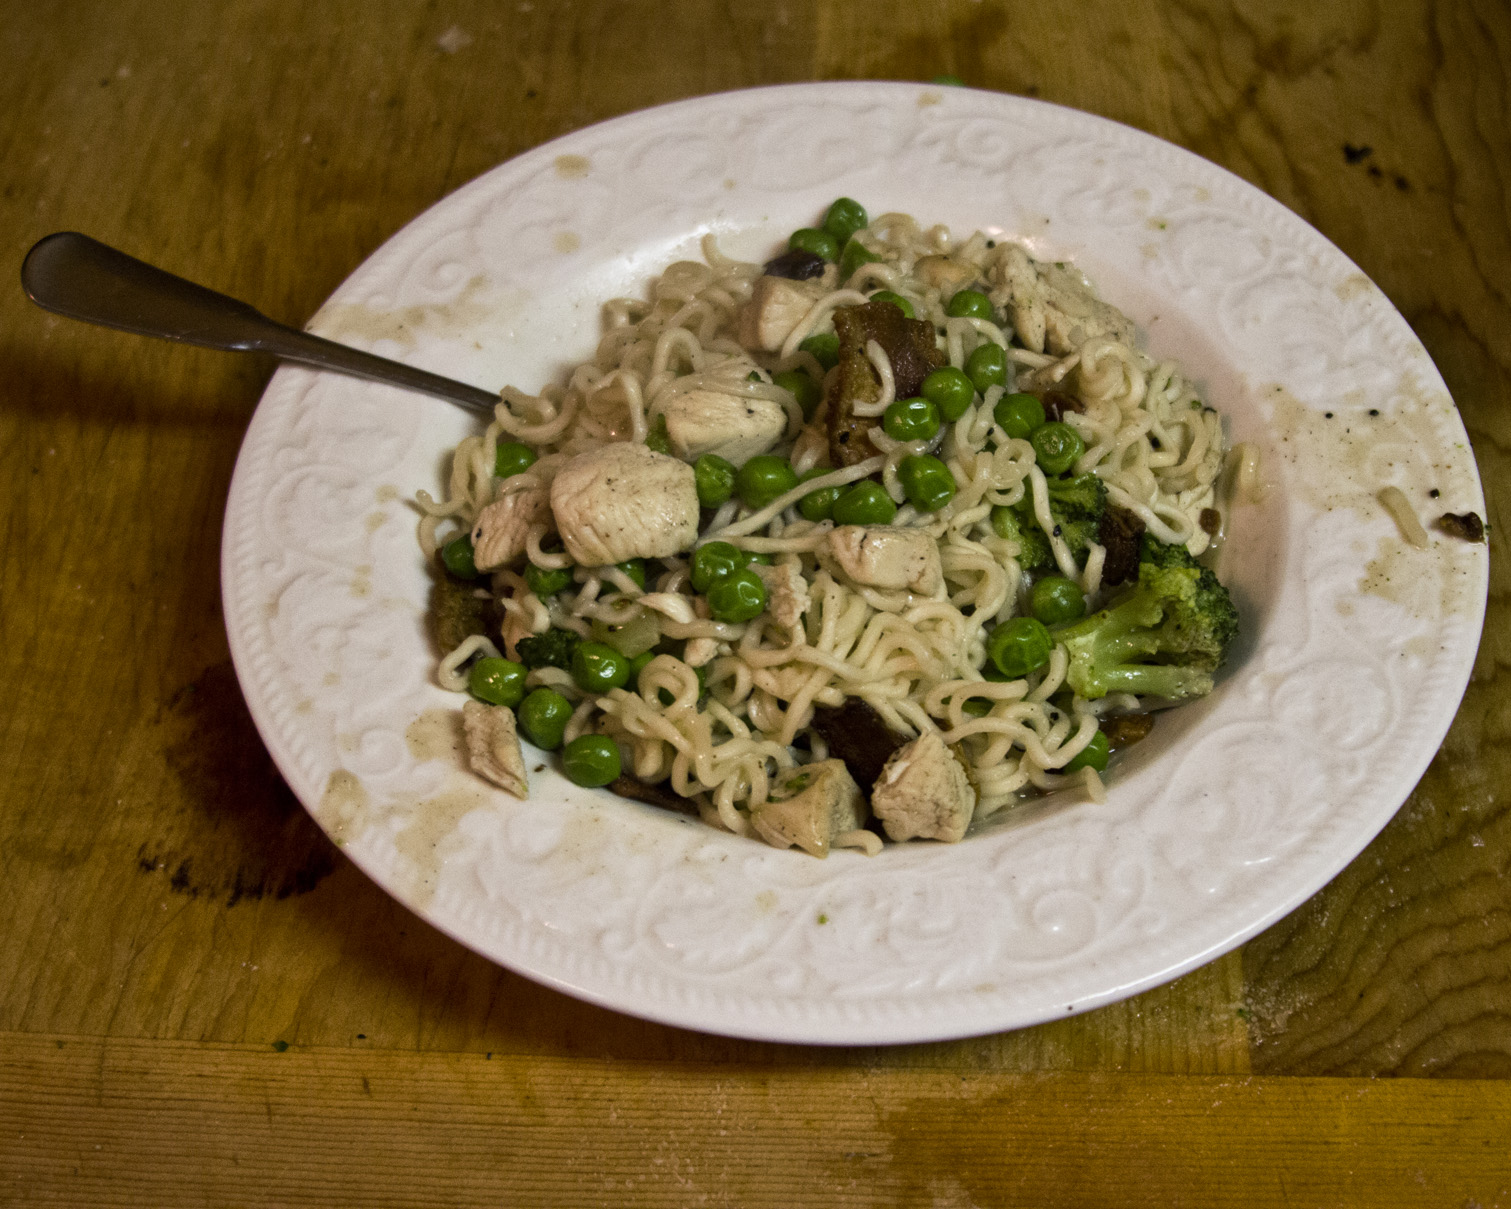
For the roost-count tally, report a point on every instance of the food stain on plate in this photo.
(428, 835)
(573, 167)
(406, 325)
(436, 735)
(345, 808)
(1343, 455)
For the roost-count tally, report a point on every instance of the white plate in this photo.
(1355, 652)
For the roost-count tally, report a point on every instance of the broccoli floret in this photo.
(1160, 554)
(1164, 637)
(1076, 504)
(1034, 553)
(554, 648)
(1081, 498)
(658, 440)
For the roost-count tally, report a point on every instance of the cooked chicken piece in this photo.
(888, 558)
(733, 426)
(911, 350)
(924, 792)
(945, 274)
(498, 537)
(809, 807)
(624, 501)
(786, 592)
(1052, 307)
(776, 306)
(493, 747)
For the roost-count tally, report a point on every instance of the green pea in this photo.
(802, 387)
(927, 481)
(715, 480)
(637, 665)
(546, 583)
(1093, 755)
(457, 555)
(543, 717)
(969, 304)
(824, 347)
(855, 255)
(1019, 646)
(818, 505)
(864, 503)
(739, 596)
(713, 561)
(497, 681)
(1056, 447)
(949, 390)
(760, 556)
(591, 761)
(845, 217)
(910, 420)
(598, 667)
(511, 458)
(897, 300)
(763, 478)
(987, 366)
(1019, 414)
(976, 707)
(1055, 599)
(811, 239)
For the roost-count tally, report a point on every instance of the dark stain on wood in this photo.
(239, 834)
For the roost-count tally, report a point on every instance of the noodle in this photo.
(724, 709)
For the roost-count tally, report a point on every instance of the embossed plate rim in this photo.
(292, 466)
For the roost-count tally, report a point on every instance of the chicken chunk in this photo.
(810, 806)
(733, 426)
(924, 792)
(888, 558)
(493, 747)
(786, 593)
(945, 274)
(624, 501)
(498, 537)
(1052, 307)
(776, 306)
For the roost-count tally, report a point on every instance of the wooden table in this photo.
(202, 1002)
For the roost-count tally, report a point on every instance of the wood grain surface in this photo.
(171, 913)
